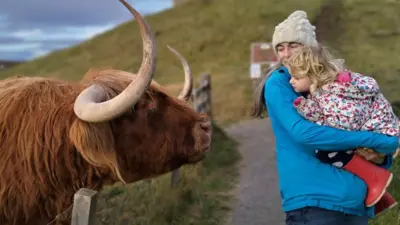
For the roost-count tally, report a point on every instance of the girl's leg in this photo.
(319, 216)
(376, 178)
(338, 159)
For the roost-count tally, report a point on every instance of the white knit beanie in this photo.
(296, 28)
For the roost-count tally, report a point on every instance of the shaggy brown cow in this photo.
(59, 136)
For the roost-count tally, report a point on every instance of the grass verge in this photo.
(201, 197)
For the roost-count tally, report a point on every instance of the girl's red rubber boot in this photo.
(376, 178)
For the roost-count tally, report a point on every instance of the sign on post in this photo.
(262, 57)
(255, 70)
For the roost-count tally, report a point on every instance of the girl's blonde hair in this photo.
(259, 108)
(316, 63)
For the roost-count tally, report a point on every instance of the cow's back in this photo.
(35, 115)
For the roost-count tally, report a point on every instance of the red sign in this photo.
(262, 53)
(262, 57)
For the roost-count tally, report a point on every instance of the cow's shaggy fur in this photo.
(47, 153)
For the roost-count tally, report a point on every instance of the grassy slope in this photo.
(202, 197)
(217, 39)
(366, 34)
(214, 37)
(370, 41)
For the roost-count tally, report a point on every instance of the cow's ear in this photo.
(95, 142)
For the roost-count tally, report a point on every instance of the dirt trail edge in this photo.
(257, 199)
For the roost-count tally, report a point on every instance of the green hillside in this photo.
(366, 34)
(215, 38)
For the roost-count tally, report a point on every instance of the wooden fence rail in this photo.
(84, 208)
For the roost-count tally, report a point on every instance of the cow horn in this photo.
(89, 105)
(188, 86)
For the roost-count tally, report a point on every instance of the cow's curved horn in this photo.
(89, 105)
(188, 86)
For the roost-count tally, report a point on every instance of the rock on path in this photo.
(257, 198)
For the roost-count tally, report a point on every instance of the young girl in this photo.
(349, 101)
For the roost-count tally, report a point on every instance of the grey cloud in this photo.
(30, 14)
(58, 22)
(9, 40)
(12, 40)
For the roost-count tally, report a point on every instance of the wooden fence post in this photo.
(201, 98)
(84, 208)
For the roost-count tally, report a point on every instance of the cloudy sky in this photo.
(30, 28)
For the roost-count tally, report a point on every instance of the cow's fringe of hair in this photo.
(46, 152)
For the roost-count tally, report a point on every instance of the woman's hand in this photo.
(371, 155)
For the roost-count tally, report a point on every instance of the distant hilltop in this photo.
(176, 2)
(4, 64)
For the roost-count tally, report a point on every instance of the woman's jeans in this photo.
(319, 216)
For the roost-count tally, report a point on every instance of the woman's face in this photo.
(285, 49)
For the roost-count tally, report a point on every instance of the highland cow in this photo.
(113, 126)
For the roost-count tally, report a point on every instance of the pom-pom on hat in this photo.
(296, 28)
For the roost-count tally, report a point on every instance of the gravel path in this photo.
(258, 200)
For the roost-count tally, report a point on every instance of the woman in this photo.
(312, 192)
